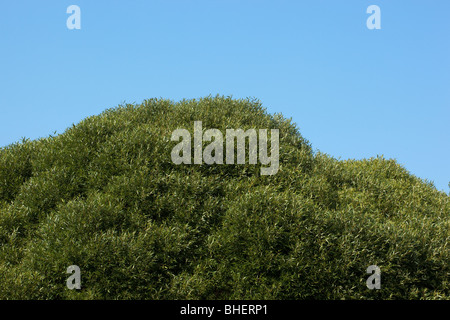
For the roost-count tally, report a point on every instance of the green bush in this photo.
(105, 196)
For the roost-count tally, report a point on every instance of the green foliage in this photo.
(105, 196)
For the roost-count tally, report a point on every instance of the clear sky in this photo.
(353, 92)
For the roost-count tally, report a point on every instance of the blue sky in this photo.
(353, 92)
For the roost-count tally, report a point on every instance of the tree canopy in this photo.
(105, 196)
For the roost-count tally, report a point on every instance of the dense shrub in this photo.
(105, 196)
